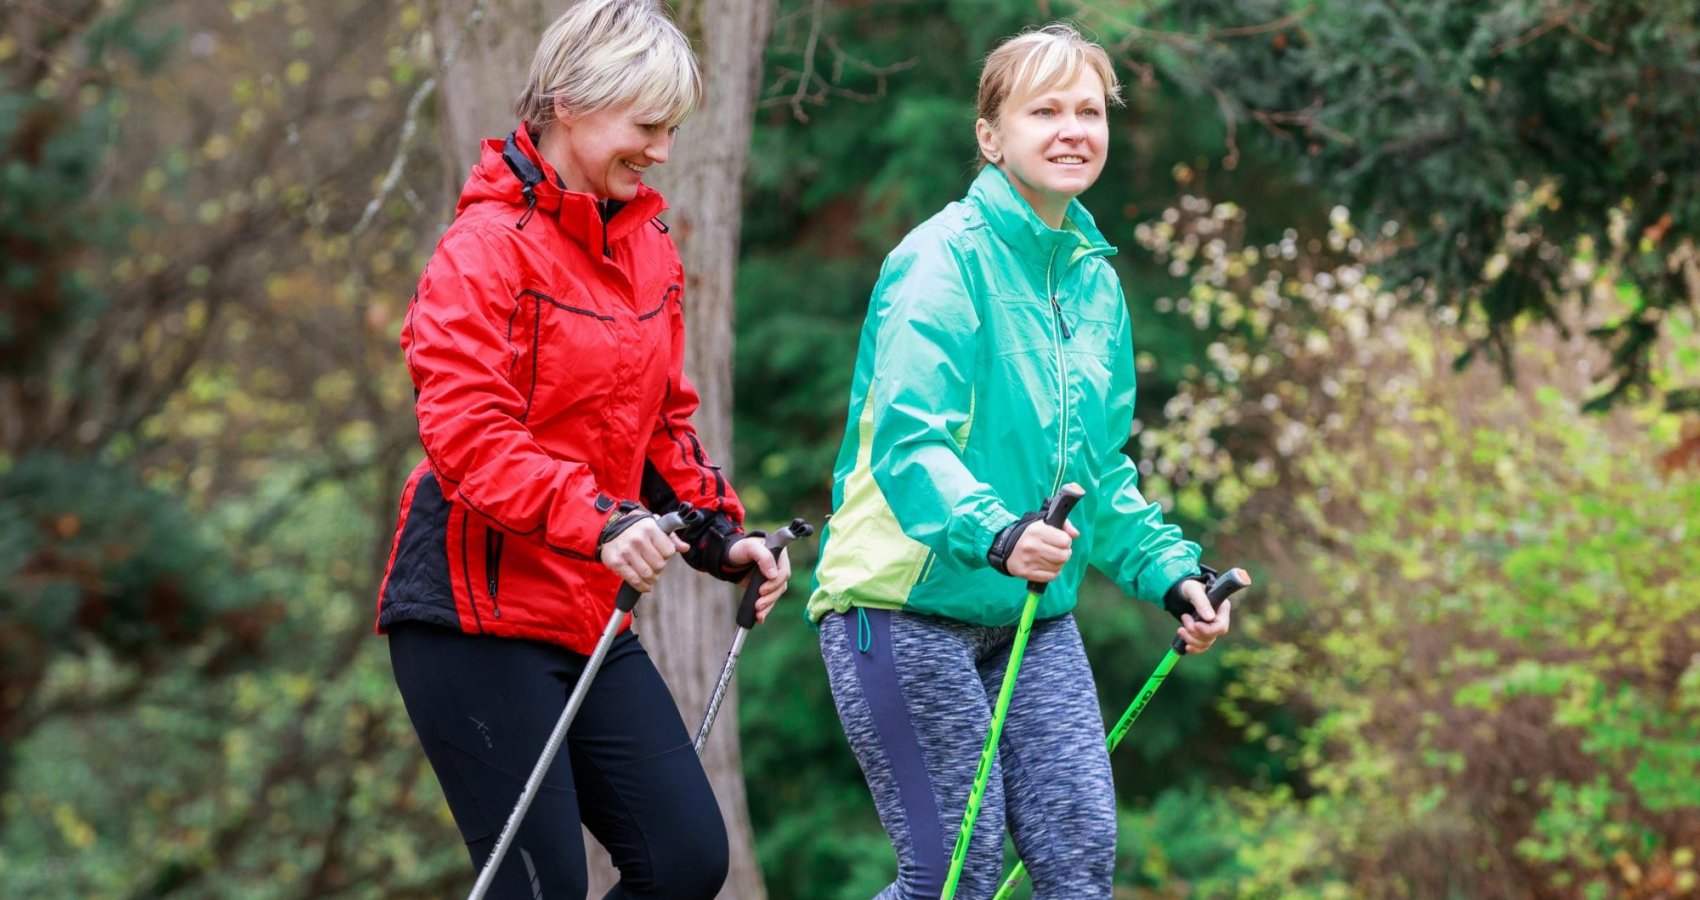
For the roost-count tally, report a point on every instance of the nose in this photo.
(1072, 130)
(660, 148)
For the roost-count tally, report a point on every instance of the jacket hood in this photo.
(509, 166)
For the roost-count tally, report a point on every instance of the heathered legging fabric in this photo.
(915, 695)
(484, 708)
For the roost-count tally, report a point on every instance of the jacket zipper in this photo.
(493, 541)
(1062, 374)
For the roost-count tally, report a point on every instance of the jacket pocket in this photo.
(493, 541)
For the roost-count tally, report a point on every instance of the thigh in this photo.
(483, 708)
(916, 716)
(1059, 795)
(642, 790)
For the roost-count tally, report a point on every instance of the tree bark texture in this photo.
(688, 624)
(491, 43)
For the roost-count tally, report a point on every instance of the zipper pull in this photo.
(1057, 308)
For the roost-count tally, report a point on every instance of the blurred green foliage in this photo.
(1503, 134)
(1466, 668)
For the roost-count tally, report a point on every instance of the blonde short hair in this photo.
(605, 53)
(1037, 61)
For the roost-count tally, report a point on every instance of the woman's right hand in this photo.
(639, 553)
(1042, 551)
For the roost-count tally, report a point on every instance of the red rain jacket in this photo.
(546, 349)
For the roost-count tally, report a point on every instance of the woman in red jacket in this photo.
(545, 344)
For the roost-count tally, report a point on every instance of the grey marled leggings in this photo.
(915, 695)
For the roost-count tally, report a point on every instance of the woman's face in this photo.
(1051, 145)
(606, 152)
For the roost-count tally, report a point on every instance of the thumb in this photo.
(1200, 601)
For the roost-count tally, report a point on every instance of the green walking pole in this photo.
(1225, 586)
(1055, 513)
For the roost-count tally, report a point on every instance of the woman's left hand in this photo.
(777, 571)
(1199, 631)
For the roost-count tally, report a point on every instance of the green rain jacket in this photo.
(996, 364)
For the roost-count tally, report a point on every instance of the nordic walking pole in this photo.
(746, 620)
(1225, 586)
(624, 602)
(1055, 513)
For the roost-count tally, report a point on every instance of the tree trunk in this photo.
(491, 43)
(687, 623)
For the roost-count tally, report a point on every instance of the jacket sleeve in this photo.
(1131, 543)
(471, 416)
(677, 468)
(922, 395)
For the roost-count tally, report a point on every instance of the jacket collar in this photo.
(511, 171)
(1014, 220)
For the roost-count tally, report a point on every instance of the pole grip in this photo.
(1226, 585)
(684, 515)
(1055, 513)
(775, 543)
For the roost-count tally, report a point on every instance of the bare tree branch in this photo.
(410, 121)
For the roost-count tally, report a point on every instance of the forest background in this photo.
(1414, 288)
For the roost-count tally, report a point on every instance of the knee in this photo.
(694, 865)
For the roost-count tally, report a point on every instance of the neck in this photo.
(1048, 207)
(552, 146)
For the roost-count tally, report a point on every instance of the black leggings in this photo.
(484, 707)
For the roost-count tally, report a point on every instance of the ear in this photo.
(562, 114)
(991, 143)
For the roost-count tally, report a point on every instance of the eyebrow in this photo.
(1054, 98)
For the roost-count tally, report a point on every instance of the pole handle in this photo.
(1055, 513)
(776, 542)
(1226, 585)
(684, 515)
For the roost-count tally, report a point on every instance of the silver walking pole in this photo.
(624, 602)
(746, 620)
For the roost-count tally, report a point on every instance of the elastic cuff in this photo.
(986, 534)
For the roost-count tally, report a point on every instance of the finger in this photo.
(785, 564)
(1200, 601)
(653, 548)
(1073, 532)
(764, 606)
(679, 546)
(665, 543)
(1054, 558)
(634, 575)
(765, 562)
(1056, 537)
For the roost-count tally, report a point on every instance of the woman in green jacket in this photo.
(996, 365)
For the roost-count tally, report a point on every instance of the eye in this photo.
(1045, 112)
(1092, 112)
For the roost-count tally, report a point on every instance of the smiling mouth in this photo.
(1069, 160)
(636, 169)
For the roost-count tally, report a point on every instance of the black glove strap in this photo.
(1004, 544)
(1176, 604)
(627, 514)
